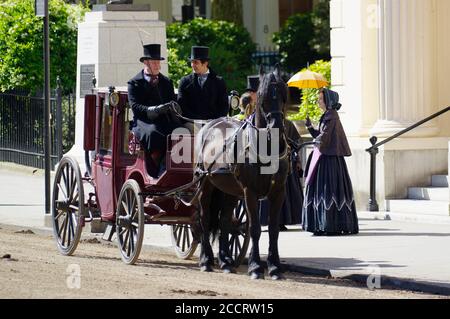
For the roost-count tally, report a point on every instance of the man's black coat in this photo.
(209, 102)
(141, 95)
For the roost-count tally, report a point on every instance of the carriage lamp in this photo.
(233, 100)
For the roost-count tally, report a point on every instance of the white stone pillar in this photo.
(109, 45)
(407, 63)
(267, 21)
(249, 17)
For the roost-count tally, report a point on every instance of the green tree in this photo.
(320, 18)
(231, 49)
(309, 105)
(292, 41)
(21, 44)
(305, 38)
(227, 10)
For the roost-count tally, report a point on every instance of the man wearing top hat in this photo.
(150, 95)
(248, 98)
(252, 86)
(202, 95)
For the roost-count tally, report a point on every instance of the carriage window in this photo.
(128, 118)
(106, 129)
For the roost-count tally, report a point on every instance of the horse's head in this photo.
(271, 97)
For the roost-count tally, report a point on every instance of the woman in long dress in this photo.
(329, 205)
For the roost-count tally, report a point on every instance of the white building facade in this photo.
(389, 64)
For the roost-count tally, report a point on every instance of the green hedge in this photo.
(21, 44)
(309, 106)
(231, 49)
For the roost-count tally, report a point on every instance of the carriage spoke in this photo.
(122, 231)
(61, 227)
(75, 198)
(132, 240)
(70, 233)
(75, 208)
(74, 180)
(236, 247)
(64, 177)
(125, 242)
(127, 202)
(135, 224)
(60, 213)
(125, 208)
(179, 231)
(64, 233)
(67, 181)
(238, 244)
(62, 190)
(133, 207)
(188, 235)
(241, 216)
(133, 213)
(185, 242)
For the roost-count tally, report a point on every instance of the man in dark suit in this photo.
(150, 95)
(252, 86)
(202, 95)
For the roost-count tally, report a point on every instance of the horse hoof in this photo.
(228, 270)
(276, 277)
(255, 275)
(206, 268)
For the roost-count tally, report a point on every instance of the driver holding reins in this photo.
(151, 96)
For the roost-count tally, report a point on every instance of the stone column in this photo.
(407, 84)
(267, 21)
(109, 47)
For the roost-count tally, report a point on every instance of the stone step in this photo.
(429, 193)
(407, 217)
(425, 207)
(439, 181)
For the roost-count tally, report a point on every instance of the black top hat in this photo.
(199, 53)
(252, 83)
(152, 52)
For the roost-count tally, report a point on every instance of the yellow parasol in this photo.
(308, 80)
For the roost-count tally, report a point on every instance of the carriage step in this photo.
(171, 220)
(109, 232)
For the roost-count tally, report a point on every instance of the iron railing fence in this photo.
(22, 126)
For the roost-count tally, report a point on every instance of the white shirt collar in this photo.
(204, 74)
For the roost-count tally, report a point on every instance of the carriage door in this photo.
(103, 168)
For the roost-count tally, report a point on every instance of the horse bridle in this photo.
(274, 110)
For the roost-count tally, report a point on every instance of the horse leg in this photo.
(206, 253)
(225, 259)
(255, 269)
(273, 258)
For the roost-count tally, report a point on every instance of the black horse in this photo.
(231, 155)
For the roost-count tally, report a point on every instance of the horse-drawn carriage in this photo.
(122, 193)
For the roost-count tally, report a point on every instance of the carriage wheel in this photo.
(184, 240)
(68, 205)
(130, 220)
(239, 235)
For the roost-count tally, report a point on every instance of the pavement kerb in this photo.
(387, 282)
(24, 169)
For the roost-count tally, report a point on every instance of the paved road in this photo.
(408, 255)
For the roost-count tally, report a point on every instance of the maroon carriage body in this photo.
(118, 157)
